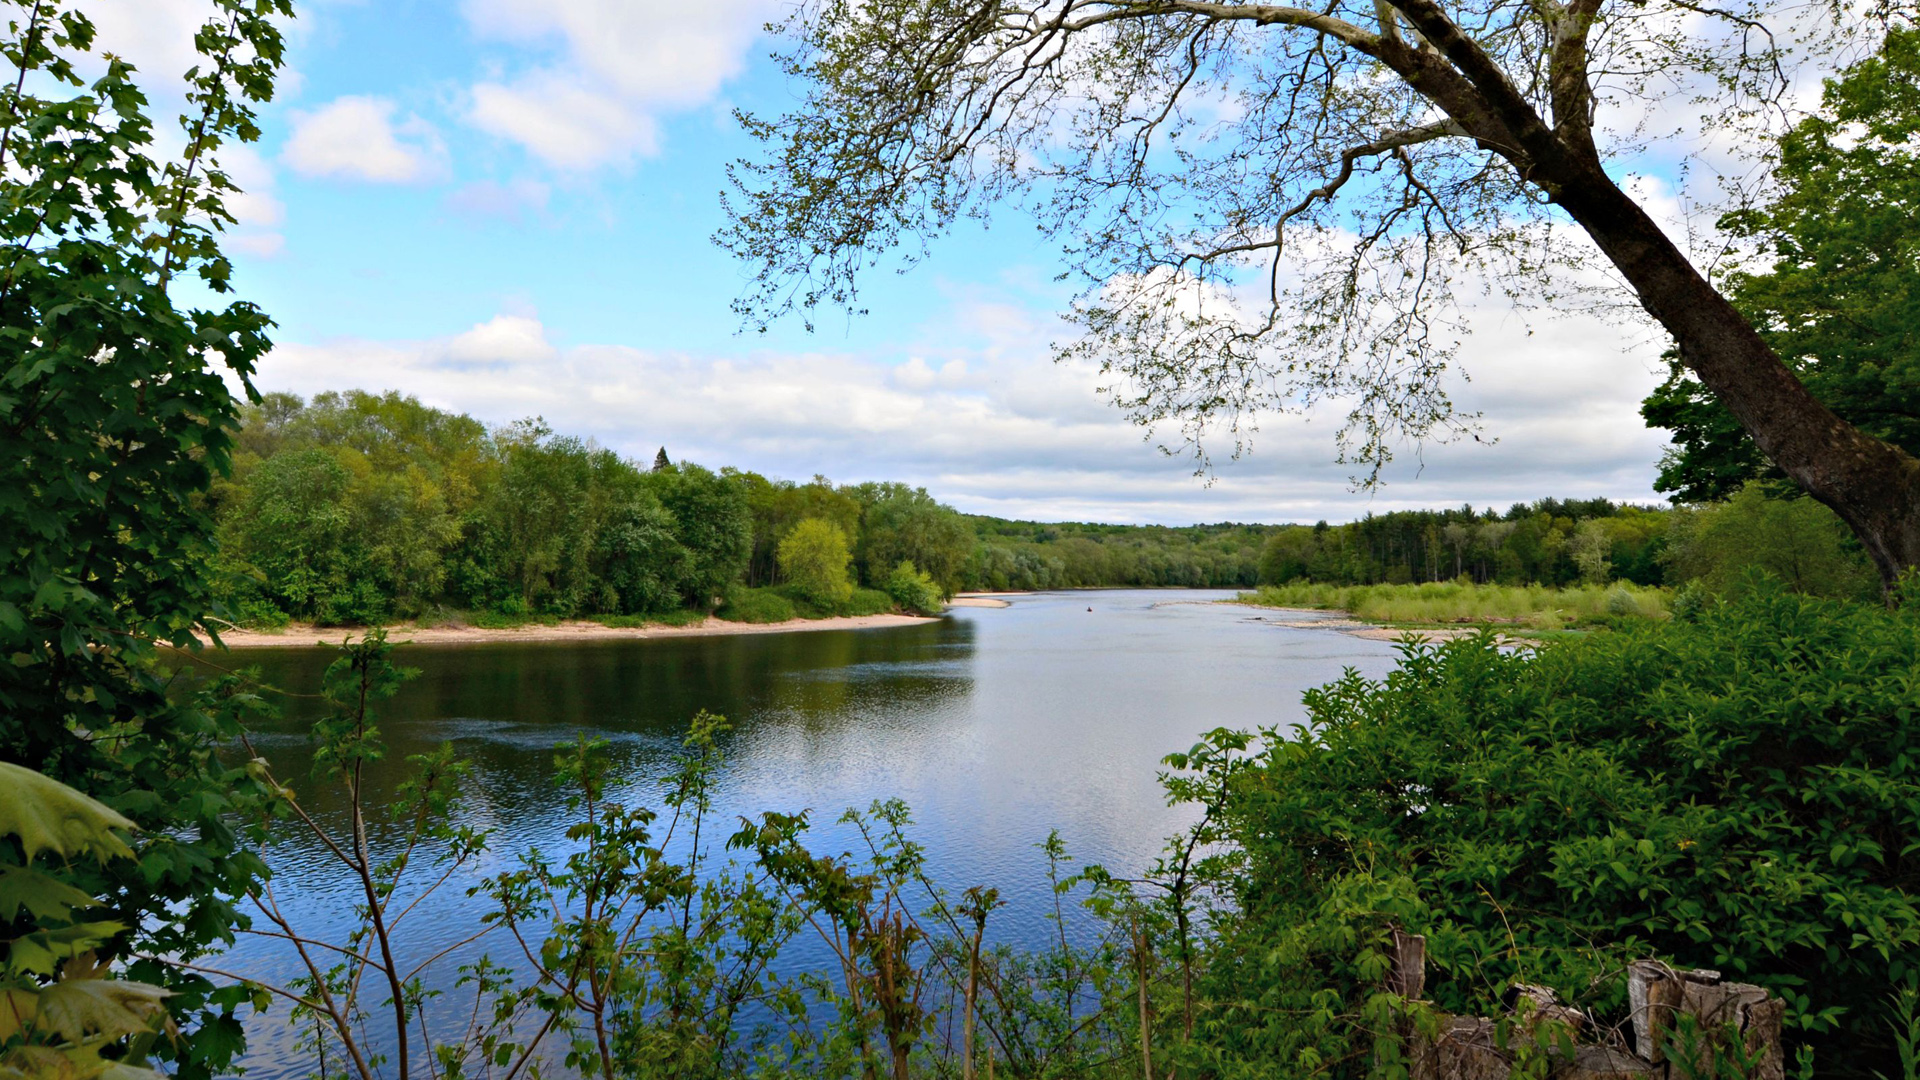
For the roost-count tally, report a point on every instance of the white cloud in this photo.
(989, 424)
(356, 138)
(564, 121)
(504, 340)
(622, 65)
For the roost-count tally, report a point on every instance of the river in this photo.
(995, 725)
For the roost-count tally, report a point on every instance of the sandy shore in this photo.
(577, 630)
(980, 599)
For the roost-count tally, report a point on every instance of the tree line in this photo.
(356, 508)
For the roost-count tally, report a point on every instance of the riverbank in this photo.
(981, 599)
(571, 630)
(1344, 622)
(1440, 611)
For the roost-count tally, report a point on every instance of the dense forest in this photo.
(356, 508)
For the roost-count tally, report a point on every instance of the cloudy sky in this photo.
(504, 207)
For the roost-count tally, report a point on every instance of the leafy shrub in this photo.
(1621, 604)
(1799, 541)
(914, 590)
(867, 602)
(756, 606)
(814, 556)
(256, 614)
(62, 1015)
(1688, 602)
(1741, 792)
(683, 617)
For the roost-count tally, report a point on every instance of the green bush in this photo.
(1799, 541)
(815, 558)
(1739, 792)
(914, 590)
(757, 606)
(867, 602)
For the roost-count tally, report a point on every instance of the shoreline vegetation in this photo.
(1443, 611)
(297, 634)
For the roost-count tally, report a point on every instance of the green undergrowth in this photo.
(779, 603)
(1530, 607)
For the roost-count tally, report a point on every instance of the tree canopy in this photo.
(1839, 299)
(1269, 207)
(115, 417)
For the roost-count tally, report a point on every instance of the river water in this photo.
(995, 725)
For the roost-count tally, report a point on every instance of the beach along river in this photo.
(995, 725)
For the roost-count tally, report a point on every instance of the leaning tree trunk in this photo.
(1873, 485)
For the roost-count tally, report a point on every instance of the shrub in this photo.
(814, 556)
(867, 602)
(1799, 541)
(1741, 792)
(1621, 604)
(756, 606)
(914, 590)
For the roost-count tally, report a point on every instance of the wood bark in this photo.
(1871, 484)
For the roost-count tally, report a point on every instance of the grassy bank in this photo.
(1532, 607)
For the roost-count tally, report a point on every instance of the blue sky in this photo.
(505, 207)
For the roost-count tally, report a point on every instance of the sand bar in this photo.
(980, 599)
(573, 630)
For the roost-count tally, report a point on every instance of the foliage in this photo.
(1798, 541)
(1546, 542)
(913, 590)
(1033, 555)
(902, 523)
(867, 602)
(1738, 792)
(1439, 603)
(62, 1014)
(814, 559)
(756, 606)
(115, 417)
(714, 528)
(1841, 301)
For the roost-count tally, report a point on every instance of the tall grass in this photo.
(1534, 606)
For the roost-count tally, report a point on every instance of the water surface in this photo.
(995, 726)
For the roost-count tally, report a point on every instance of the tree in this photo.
(1841, 300)
(660, 462)
(641, 559)
(115, 416)
(815, 559)
(901, 523)
(1797, 541)
(712, 523)
(295, 529)
(1176, 145)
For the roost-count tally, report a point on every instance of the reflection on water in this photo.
(995, 725)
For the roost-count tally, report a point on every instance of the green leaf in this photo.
(48, 815)
(82, 1009)
(45, 898)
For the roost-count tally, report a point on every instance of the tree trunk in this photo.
(1873, 485)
